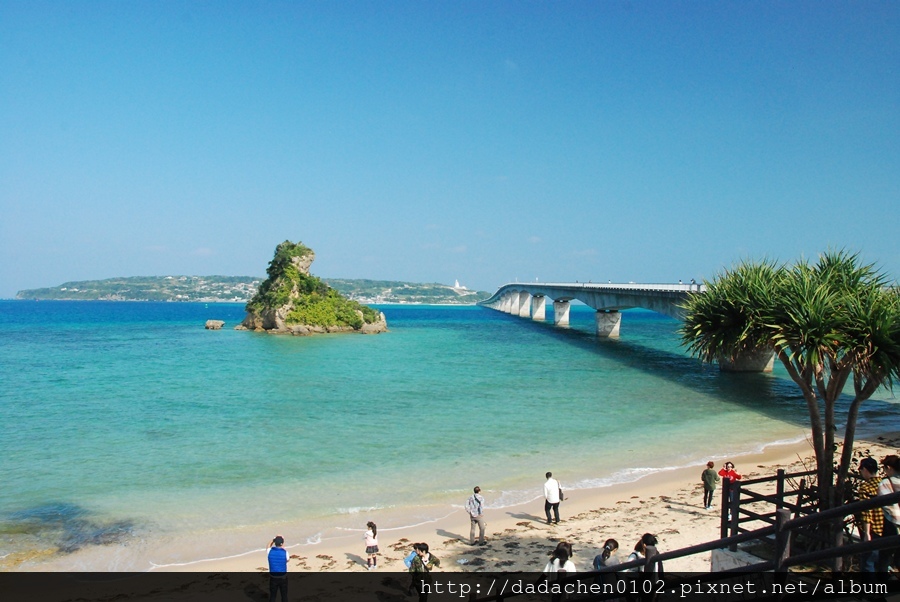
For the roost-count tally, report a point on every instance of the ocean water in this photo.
(133, 438)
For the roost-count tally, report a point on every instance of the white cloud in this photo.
(203, 252)
(458, 249)
(534, 239)
(585, 253)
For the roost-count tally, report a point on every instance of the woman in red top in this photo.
(729, 475)
(728, 472)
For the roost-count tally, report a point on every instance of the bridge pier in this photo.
(751, 360)
(524, 304)
(608, 322)
(561, 313)
(514, 304)
(539, 307)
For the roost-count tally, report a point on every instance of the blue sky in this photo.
(433, 141)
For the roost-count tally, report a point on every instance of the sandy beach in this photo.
(668, 504)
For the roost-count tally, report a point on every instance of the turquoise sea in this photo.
(133, 438)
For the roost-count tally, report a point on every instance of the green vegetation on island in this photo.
(240, 289)
(151, 288)
(292, 295)
(291, 300)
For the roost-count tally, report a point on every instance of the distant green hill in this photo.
(239, 289)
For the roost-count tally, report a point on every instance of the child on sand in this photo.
(371, 546)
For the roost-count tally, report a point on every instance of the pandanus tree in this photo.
(829, 323)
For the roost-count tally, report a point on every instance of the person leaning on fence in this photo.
(655, 568)
(890, 484)
(871, 521)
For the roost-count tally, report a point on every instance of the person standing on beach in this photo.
(553, 495)
(278, 563)
(871, 521)
(730, 475)
(371, 538)
(475, 508)
(709, 478)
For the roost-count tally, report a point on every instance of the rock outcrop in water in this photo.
(292, 301)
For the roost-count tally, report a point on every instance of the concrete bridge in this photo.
(529, 300)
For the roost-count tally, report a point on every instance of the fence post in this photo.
(779, 500)
(782, 539)
(733, 507)
(726, 490)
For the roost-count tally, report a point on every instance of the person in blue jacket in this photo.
(278, 562)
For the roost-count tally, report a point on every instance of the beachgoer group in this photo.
(873, 523)
(644, 548)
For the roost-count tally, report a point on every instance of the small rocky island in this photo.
(292, 301)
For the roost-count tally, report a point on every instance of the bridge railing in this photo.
(630, 286)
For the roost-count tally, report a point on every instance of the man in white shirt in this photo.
(475, 508)
(552, 497)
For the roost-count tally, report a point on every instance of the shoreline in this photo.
(666, 503)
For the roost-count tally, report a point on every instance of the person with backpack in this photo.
(409, 558)
(475, 508)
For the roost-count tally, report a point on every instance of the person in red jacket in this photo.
(729, 473)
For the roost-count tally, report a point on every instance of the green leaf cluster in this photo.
(829, 323)
(330, 309)
(829, 318)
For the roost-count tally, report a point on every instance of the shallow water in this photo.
(134, 437)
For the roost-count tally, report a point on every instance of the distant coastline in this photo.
(239, 289)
